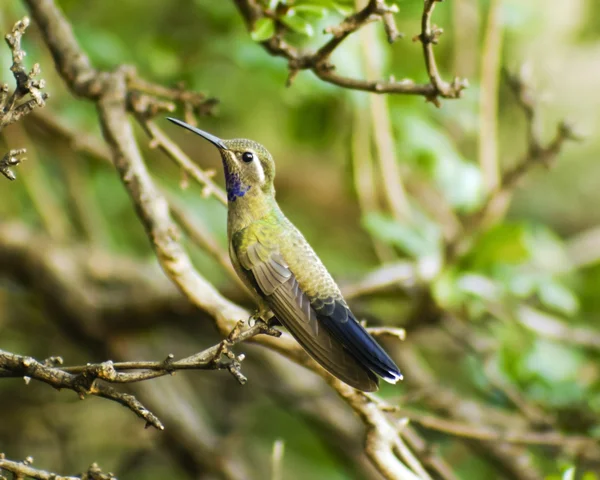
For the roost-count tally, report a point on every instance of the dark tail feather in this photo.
(343, 326)
(324, 348)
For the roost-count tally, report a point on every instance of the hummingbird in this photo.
(286, 276)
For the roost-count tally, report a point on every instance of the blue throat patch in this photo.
(235, 188)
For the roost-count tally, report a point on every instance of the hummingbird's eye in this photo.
(247, 157)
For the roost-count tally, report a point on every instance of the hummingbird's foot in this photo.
(265, 320)
(263, 315)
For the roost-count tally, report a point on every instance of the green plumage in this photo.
(276, 262)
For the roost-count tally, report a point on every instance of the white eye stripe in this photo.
(259, 170)
(252, 161)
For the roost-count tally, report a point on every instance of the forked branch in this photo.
(319, 61)
(92, 379)
(13, 107)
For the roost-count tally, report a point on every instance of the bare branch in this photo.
(429, 37)
(10, 160)
(537, 153)
(22, 470)
(496, 203)
(173, 151)
(26, 84)
(318, 62)
(576, 444)
(549, 326)
(85, 380)
(12, 109)
(194, 103)
(491, 56)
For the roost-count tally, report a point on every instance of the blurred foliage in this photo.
(524, 261)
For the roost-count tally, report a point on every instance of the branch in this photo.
(494, 206)
(510, 459)
(491, 56)
(194, 103)
(89, 145)
(12, 109)
(173, 151)
(318, 61)
(22, 470)
(93, 296)
(26, 84)
(577, 444)
(84, 380)
(537, 153)
(11, 159)
(549, 326)
(429, 37)
(401, 274)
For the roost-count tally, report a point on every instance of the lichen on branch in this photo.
(15, 105)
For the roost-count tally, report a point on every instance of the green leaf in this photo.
(342, 9)
(444, 290)
(310, 10)
(479, 286)
(264, 28)
(547, 250)
(421, 238)
(556, 296)
(504, 244)
(553, 363)
(523, 284)
(432, 150)
(298, 24)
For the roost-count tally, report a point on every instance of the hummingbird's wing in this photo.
(324, 326)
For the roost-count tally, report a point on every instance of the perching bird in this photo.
(276, 262)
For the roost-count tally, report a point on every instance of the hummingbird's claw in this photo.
(261, 314)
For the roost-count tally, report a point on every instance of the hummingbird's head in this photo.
(249, 167)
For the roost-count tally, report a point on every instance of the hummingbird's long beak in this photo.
(216, 141)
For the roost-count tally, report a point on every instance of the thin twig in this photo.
(549, 326)
(22, 470)
(126, 295)
(11, 159)
(492, 434)
(488, 98)
(397, 274)
(429, 37)
(496, 202)
(159, 139)
(383, 138)
(363, 166)
(11, 107)
(52, 213)
(277, 459)
(26, 84)
(193, 102)
(427, 453)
